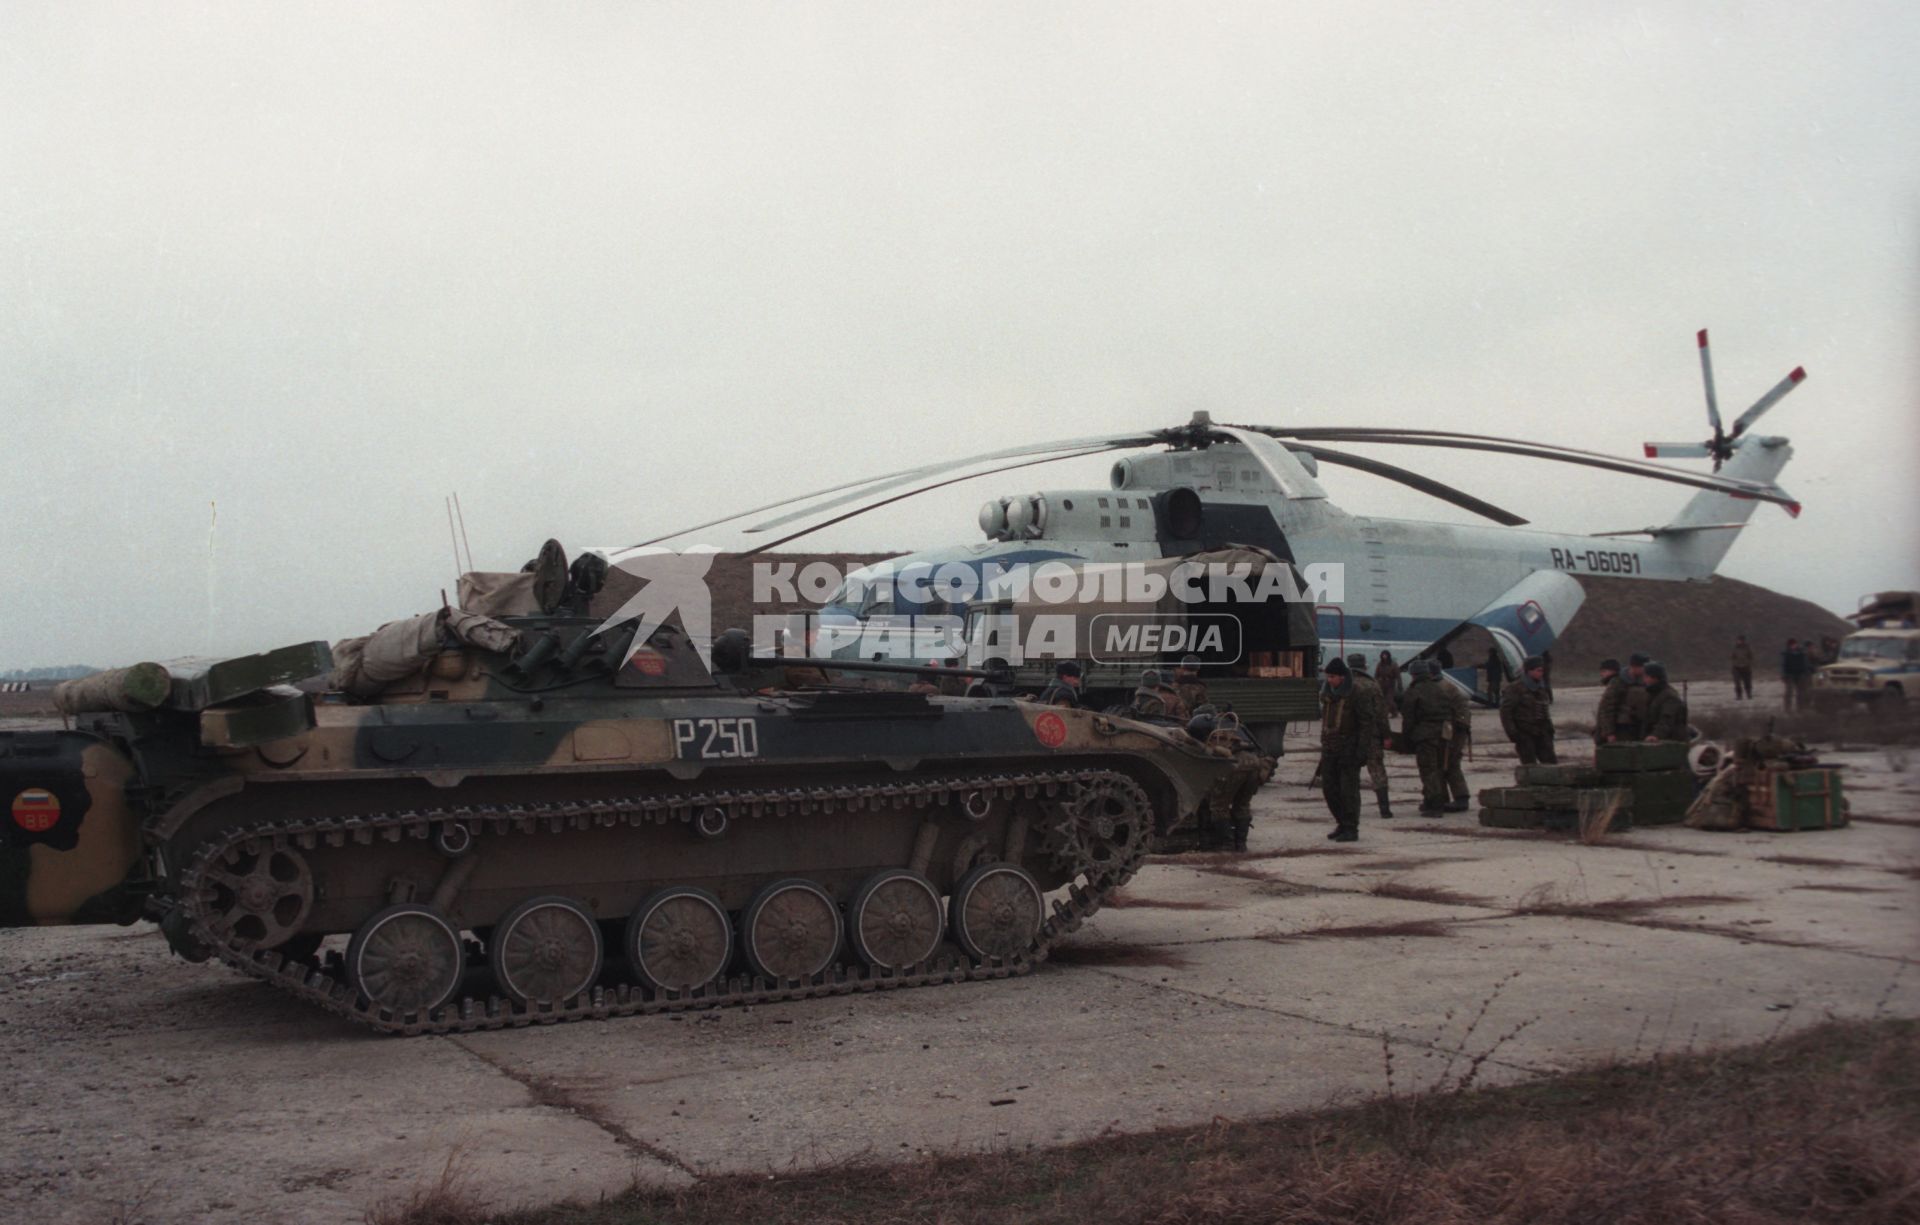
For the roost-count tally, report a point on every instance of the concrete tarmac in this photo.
(143, 1088)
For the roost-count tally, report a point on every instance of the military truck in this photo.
(510, 811)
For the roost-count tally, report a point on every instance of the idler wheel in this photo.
(791, 931)
(545, 951)
(258, 896)
(996, 912)
(405, 959)
(895, 920)
(679, 940)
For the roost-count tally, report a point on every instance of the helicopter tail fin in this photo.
(1706, 527)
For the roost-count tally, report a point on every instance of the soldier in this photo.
(1796, 672)
(1546, 673)
(1365, 690)
(1742, 669)
(1149, 701)
(927, 682)
(1496, 671)
(1386, 674)
(1170, 698)
(1426, 720)
(1613, 700)
(1065, 689)
(1460, 797)
(1186, 679)
(1630, 723)
(952, 686)
(1524, 715)
(1666, 709)
(1346, 728)
(1228, 815)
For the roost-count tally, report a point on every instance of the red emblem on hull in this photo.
(1051, 730)
(38, 811)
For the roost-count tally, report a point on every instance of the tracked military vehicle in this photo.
(507, 812)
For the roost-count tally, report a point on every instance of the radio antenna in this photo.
(463, 527)
(455, 537)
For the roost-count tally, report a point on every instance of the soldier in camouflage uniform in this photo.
(1386, 674)
(1426, 720)
(1065, 689)
(1613, 698)
(1346, 728)
(1186, 680)
(1364, 689)
(1149, 702)
(1227, 816)
(1170, 698)
(1630, 722)
(1460, 710)
(1524, 715)
(1666, 709)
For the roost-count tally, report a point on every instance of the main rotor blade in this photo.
(901, 497)
(1532, 450)
(1677, 450)
(1706, 373)
(872, 484)
(1081, 446)
(1767, 401)
(1413, 480)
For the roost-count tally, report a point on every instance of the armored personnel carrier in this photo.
(508, 812)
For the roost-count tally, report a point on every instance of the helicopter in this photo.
(1410, 587)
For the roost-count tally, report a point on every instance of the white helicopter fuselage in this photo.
(1378, 584)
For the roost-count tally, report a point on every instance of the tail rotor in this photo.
(1720, 447)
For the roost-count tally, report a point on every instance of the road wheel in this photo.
(996, 912)
(895, 920)
(791, 931)
(405, 959)
(679, 940)
(545, 951)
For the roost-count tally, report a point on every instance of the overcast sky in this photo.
(609, 269)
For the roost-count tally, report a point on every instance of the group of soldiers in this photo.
(1798, 662)
(1356, 730)
(1639, 705)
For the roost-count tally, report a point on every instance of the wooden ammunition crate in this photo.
(1556, 776)
(1787, 800)
(1497, 817)
(1660, 797)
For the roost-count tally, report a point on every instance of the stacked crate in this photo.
(1645, 784)
(1656, 774)
(1554, 798)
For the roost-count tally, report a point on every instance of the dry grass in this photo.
(1120, 899)
(1405, 865)
(1439, 895)
(1819, 1127)
(1815, 861)
(1840, 888)
(1117, 954)
(1855, 723)
(1367, 931)
(447, 1200)
(1596, 824)
(1546, 901)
